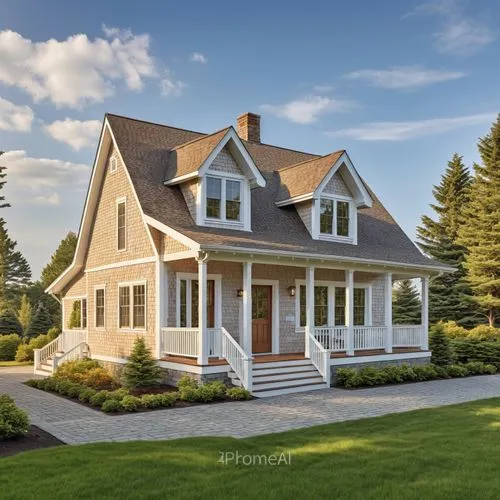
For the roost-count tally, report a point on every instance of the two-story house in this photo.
(235, 258)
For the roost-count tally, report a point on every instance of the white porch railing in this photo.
(76, 352)
(332, 337)
(214, 343)
(320, 357)
(180, 341)
(237, 358)
(369, 337)
(72, 338)
(47, 351)
(407, 335)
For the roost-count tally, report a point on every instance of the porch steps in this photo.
(275, 378)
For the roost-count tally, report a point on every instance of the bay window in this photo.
(132, 306)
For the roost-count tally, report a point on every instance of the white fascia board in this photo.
(191, 244)
(295, 199)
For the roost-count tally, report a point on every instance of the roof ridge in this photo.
(312, 159)
(200, 138)
(157, 124)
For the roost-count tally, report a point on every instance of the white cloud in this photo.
(459, 33)
(404, 77)
(77, 70)
(38, 174)
(308, 109)
(77, 134)
(399, 131)
(198, 57)
(50, 199)
(170, 86)
(14, 117)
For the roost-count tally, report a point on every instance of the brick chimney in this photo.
(249, 127)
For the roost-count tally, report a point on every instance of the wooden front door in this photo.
(262, 307)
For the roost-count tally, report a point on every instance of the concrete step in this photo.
(257, 371)
(289, 390)
(280, 364)
(290, 382)
(258, 378)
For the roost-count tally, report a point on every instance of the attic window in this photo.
(113, 164)
(334, 218)
(223, 199)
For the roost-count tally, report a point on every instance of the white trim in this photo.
(185, 254)
(172, 233)
(354, 183)
(130, 285)
(295, 199)
(217, 278)
(275, 332)
(119, 201)
(182, 178)
(99, 287)
(114, 265)
(352, 221)
(381, 357)
(74, 297)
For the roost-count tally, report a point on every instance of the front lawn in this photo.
(4, 364)
(443, 453)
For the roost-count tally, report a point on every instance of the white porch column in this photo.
(247, 308)
(202, 312)
(349, 311)
(388, 311)
(309, 307)
(425, 313)
(161, 305)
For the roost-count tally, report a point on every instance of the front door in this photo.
(262, 318)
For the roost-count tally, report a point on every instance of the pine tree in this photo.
(439, 345)
(406, 308)
(141, 369)
(480, 233)
(40, 323)
(15, 272)
(60, 260)
(9, 323)
(3, 203)
(450, 296)
(75, 318)
(25, 312)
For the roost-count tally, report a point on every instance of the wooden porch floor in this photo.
(267, 358)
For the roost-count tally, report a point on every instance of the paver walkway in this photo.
(74, 423)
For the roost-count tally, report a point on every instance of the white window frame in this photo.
(353, 229)
(119, 201)
(79, 298)
(98, 287)
(113, 164)
(331, 301)
(245, 202)
(189, 277)
(130, 285)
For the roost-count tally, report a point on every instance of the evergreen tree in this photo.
(75, 318)
(15, 272)
(40, 323)
(25, 312)
(141, 369)
(9, 323)
(36, 294)
(3, 203)
(406, 307)
(439, 345)
(450, 296)
(480, 233)
(60, 260)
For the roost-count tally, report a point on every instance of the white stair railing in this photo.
(320, 358)
(76, 352)
(237, 358)
(48, 351)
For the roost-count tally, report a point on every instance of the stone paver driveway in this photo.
(74, 423)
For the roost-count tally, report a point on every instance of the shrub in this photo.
(118, 394)
(39, 341)
(484, 332)
(24, 353)
(187, 381)
(452, 329)
(8, 346)
(53, 333)
(98, 398)
(131, 403)
(9, 323)
(87, 372)
(344, 375)
(158, 400)
(457, 371)
(111, 406)
(373, 376)
(13, 420)
(212, 391)
(141, 369)
(32, 382)
(439, 345)
(238, 393)
(87, 394)
(475, 350)
(425, 372)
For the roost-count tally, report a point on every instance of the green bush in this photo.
(24, 353)
(8, 346)
(13, 421)
(439, 345)
(86, 372)
(118, 394)
(475, 350)
(457, 371)
(9, 323)
(111, 406)
(53, 333)
(98, 398)
(131, 403)
(39, 341)
(165, 400)
(484, 332)
(452, 329)
(238, 394)
(191, 391)
(87, 394)
(141, 369)
(425, 372)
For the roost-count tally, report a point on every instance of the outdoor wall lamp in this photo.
(292, 290)
(239, 293)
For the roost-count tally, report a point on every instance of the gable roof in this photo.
(145, 148)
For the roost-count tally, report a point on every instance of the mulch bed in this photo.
(35, 439)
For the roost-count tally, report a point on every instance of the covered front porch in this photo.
(222, 310)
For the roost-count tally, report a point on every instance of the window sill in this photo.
(239, 226)
(132, 330)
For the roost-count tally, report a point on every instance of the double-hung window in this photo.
(187, 316)
(78, 316)
(334, 217)
(100, 307)
(121, 225)
(132, 306)
(223, 199)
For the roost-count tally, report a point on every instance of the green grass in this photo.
(443, 453)
(15, 363)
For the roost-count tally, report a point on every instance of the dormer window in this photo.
(334, 217)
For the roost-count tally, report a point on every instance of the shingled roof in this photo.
(145, 148)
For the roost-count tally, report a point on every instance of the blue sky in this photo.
(400, 85)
